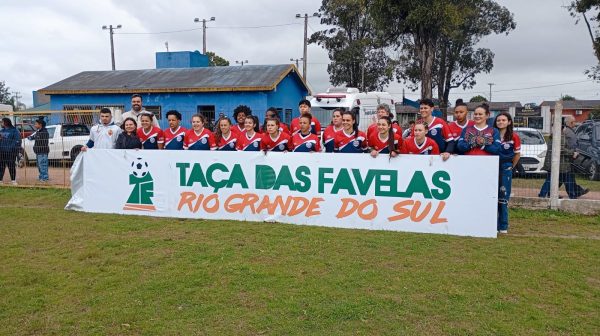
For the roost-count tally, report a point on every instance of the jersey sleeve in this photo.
(161, 136)
(517, 142)
(435, 149)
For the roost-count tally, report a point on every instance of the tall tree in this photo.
(357, 57)
(566, 97)
(216, 60)
(478, 99)
(6, 97)
(582, 7)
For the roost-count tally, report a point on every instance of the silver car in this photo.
(533, 150)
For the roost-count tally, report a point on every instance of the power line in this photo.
(222, 27)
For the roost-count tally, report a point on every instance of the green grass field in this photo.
(64, 272)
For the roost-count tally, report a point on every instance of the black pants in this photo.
(8, 159)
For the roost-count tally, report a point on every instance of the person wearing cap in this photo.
(315, 125)
(41, 148)
(136, 112)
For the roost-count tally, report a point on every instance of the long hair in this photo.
(338, 109)
(354, 125)
(509, 129)
(390, 141)
(126, 119)
(218, 133)
(255, 121)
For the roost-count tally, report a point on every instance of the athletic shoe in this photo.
(13, 182)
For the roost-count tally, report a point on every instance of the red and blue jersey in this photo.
(315, 126)
(381, 146)
(227, 144)
(428, 147)
(373, 129)
(205, 140)
(439, 131)
(238, 129)
(305, 143)
(245, 143)
(282, 128)
(475, 141)
(508, 149)
(456, 131)
(151, 139)
(279, 144)
(329, 137)
(350, 143)
(174, 139)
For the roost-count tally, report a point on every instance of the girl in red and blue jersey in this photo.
(151, 136)
(199, 137)
(419, 143)
(479, 139)
(272, 113)
(460, 122)
(350, 139)
(224, 137)
(304, 140)
(334, 128)
(249, 141)
(274, 139)
(437, 129)
(175, 134)
(510, 149)
(385, 140)
(239, 116)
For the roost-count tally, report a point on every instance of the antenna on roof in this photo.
(167, 45)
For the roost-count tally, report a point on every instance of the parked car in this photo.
(533, 151)
(65, 142)
(588, 147)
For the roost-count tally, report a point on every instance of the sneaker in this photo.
(584, 191)
(502, 231)
(13, 182)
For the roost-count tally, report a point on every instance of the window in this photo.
(208, 111)
(287, 118)
(74, 130)
(578, 112)
(86, 114)
(51, 130)
(155, 109)
(530, 137)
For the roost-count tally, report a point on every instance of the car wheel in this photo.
(594, 172)
(74, 152)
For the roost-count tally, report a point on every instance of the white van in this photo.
(364, 104)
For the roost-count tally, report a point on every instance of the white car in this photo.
(65, 142)
(533, 151)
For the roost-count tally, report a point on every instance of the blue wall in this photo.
(181, 59)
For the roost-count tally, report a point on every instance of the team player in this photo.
(350, 139)
(304, 140)
(175, 134)
(224, 137)
(460, 121)
(251, 138)
(199, 137)
(437, 128)
(385, 141)
(272, 113)
(383, 110)
(151, 136)
(274, 139)
(420, 143)
(315, 125)
(510, 149)
(479, 139)
(239, 115)
(331, 130)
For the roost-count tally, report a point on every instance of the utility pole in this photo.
(111, 31)
(491, 84)
(297, 60)
(298, 16)
(17, 96)
(204, 31)
(241, 63)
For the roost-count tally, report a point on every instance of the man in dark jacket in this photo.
(41, 149)
(10, 141)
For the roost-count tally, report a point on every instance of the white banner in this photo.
(414, 193)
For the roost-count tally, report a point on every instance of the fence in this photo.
(69, 130)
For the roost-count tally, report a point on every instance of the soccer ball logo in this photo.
(139, 167)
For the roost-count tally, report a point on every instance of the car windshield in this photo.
(75, 130)
(51, 132)
(530, 137)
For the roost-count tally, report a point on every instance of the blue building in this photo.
(184, 82)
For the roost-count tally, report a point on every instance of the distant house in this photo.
(580, 109)
(183, 82)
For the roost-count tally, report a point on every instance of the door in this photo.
(208, 111)
(54, 145)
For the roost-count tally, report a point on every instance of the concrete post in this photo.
(555, 167)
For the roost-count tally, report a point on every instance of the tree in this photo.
(441, 53)
(595, 114)
(216, 60)
(357, 58)
(6, 97)
(567, 97)
(478, 99)
(581, 7)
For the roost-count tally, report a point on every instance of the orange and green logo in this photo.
(140, 178)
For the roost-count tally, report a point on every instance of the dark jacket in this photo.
(41, 138)
(566, 156)
(125, 141)
(10, 140)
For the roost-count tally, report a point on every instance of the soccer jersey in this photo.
(151, 139)
(475, 141)
(245, 143)
(282, 128)
(279, 144)
(205, 140)
(329, 137)
(227, 144)
(508, 149)
(428, 147)
(305, 143)
(238, 129)
(381, 146)
(174, 139)
(456, 131)
(350, 143)
(373, 129)
(439, 132)
(315, 126)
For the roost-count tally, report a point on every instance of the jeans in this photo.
(504, 188)
(568, 178)
(42, 163)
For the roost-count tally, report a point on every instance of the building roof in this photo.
(495, 106)
(44, 107)
(574, 104)
(206, 79)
